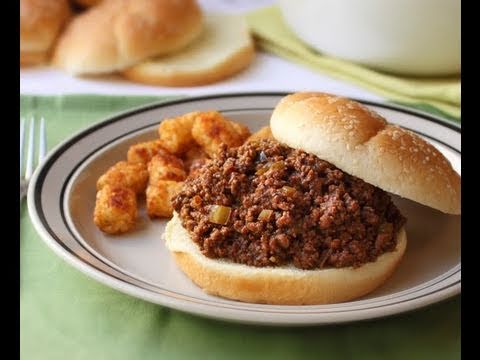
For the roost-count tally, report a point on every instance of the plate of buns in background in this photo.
(157, 42)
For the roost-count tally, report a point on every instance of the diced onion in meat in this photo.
(277, 165)
(265, 215)
(261, 170)
(219, 214)
(288, 190)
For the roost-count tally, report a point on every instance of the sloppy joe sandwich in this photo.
(305, 217)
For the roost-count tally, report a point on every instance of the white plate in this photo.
(62, 195)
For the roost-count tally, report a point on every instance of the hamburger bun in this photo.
(360, 142)
(223, 49)
(40, 23)
(278, 285)
(30, 58)
(116, 34)
(86, 3)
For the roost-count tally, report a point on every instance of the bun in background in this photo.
(116, 34)
(223, 49)
(86, 3)
(40, 23)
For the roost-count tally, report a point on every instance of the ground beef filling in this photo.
(265, 204)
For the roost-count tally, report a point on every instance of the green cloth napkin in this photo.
(66, 315)
(273, 34)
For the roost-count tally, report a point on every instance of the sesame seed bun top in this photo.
(362, 143)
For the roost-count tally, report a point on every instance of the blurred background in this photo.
(407, 52)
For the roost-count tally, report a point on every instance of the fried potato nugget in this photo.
(264, 133)
(194, 155)
(210, 129)
(166, 167)
(176, 133)
(159, 197)
(185, 143)
(143, 152)
(242, 130)
(123, 174)
(115, 209)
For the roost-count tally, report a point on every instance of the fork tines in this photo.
(29, 163)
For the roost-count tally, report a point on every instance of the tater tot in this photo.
(166, 167)
(210, 129)
(193, 155)
(123, 174)
(115, 209)
(159, 197)
(143, 152)
(264, 133)
(176, 133)
(242, 130)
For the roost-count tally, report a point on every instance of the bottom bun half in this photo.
(284, 285)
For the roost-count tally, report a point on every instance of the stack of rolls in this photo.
(160, 42)
(41, 21)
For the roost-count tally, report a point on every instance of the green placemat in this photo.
(67, 315)
(272, 34)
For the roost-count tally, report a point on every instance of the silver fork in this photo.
(26, 169)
